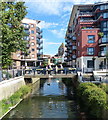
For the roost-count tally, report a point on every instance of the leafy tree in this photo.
(12, 32)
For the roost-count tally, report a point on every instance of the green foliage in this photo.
(92, 99)
(12, 32)
(104, 86)
(101, 34)
(14, 99)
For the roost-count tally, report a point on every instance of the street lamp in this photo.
(93, 62)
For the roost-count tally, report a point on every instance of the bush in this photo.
(104, 86)
(92, 99)
(14, 99)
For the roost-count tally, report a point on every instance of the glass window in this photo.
(90, 64)
(33, 49)
(33, 55)
(90, 51)
(105, 15)
(32, 37)
(91, 38)
(32, 31)
(32, 43)
(32, 25)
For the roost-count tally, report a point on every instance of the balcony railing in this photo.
(40, 47)
(26, 38)
(40, 53)
(39, 36)
(88, 20)
(27, 45)
(73, 56)
(102, 53)
(27, 32)
(26, 26)
(38, 30)
(74, 38)
(103, 41)
(74, 47)
(39, 42)
(86, 14)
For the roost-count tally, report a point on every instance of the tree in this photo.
(12, 32)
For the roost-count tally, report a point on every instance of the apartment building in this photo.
(87, 37)
(34, 45)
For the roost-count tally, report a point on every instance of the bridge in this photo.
(72, 75)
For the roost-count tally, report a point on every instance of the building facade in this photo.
(87, 37)
(34, 45)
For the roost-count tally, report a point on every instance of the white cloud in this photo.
(46, 25)
(59, 33)
(52, 43)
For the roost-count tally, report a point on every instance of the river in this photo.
(52, 100)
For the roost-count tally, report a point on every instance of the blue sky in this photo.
(54, 16)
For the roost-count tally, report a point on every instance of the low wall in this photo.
(9, 87)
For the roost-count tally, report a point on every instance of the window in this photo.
(33, 55)
(33, 49)
(90, 51)
(105, 15)
(90, 64)
(32, 43)
(32, 31)
(91, 38)
(32, 37)
(32, 25)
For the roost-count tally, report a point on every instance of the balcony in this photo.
(70, 44)
(27, 46)
(86, 14)
(102, 54)
(27, 32)
(70, 51)
(40, 47)
(73, 56)
(69, 29)
(88, 20)
(74, 38)
(103, 41)
(38, 30)
(69, 36)
(74, 47)
(39, 42)
(26, 26)
(39, 36)
(26, 38)
(40, 53)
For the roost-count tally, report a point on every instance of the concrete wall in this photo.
(9, 87)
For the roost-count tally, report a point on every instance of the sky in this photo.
(54, 16)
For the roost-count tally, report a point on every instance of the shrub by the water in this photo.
(14, 99)
(92, 99)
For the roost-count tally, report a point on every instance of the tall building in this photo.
(87, 37)
(34, 45)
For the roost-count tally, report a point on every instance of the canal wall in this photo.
(9, 87)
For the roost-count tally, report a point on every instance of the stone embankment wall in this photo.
(9, 87)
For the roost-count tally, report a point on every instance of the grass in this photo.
(14, 99)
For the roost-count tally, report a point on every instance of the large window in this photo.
(90, 64)
(105, 15)
(90, 51)
(91, 38)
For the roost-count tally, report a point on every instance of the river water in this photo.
(52, 100)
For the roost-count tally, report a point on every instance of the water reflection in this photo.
(50, 101)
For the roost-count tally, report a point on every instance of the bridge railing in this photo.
(50, 71)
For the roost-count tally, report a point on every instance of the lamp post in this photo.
(93, 62)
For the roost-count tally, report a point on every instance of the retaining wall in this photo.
(9, 87)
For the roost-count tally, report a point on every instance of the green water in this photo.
(52, 100)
